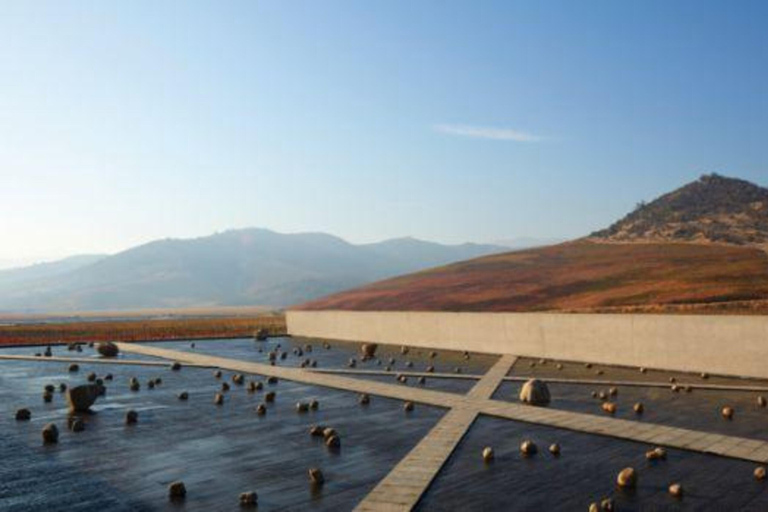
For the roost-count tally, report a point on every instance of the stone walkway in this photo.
(727, 446)
(402, 488)
(555, 380)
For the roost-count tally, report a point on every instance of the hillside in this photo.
(712, 209)
(578, 275)
(16, 276)
(239, 267)
(698, 248)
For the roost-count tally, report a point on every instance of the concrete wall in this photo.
(731, 345)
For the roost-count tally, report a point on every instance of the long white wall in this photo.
(731, 345)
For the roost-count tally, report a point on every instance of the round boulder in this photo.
(759, 473)
(487, 454)
(131, 417)
(368, 349)
(50, 434)
(76, 424)
(528, 448)
(657, 453)
(627, 478)
(248, 499)
(554, 449)
(23, 415)
(535, 392)
(107, 349)
(316, 476)
(676, 490)
(177, 491)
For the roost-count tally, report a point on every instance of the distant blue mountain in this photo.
(239, 267)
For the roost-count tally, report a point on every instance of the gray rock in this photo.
(535, 392)
(131, 417)
(316, 476)
(108, 349)
(23, 415)
(177, 491)
(76, 424)
(81, 398)
(528, 448)
(627, 478)
(369, 349)
(50, 434)
(248, 499)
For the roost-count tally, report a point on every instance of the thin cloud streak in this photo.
(484, 132)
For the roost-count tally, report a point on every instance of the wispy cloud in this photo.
(485, 132)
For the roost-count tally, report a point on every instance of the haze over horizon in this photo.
(126, 123)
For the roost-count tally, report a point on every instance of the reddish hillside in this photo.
(579, 275)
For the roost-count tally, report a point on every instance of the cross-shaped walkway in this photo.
(402, 488)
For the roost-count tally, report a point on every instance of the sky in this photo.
(453, 121)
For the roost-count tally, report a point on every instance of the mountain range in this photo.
(238, 267)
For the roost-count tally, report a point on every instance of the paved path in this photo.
(402, 488)
(437, 375)
(555, 380)
(82, 360)
(728, 446)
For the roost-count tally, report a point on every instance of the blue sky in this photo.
(122, 122)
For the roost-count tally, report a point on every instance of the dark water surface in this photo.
(218, 451)
(585, 472)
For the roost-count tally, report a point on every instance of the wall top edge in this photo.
(523, 314)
